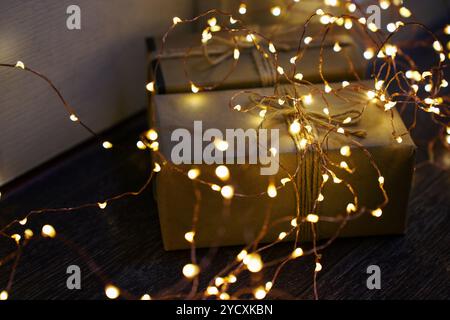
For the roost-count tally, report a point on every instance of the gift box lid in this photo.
(171, 77)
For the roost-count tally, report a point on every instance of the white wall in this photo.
(101, 70)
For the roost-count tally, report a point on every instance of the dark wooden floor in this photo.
(123, 241)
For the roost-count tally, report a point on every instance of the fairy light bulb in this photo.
(193, 173)
(350, 208)
(381, 180)
(308, 99)
(215, 187)
(325, 177)
(191, 270)
(368, 54)
(236, 54)
(294, 127)
(189, 236)
(16, 237)
(348, 24)
(194, 88)
(294, 222)
(260, 293)
(272, 190)
(326, 111)
(280, 70)
(384, 4)
(221, 145)
(318, 267)
(151, 135)
(347, 120)
(282, 235)
(345, 84)
(313, 218)
(212, 22)
(362, 20)
(325, 19)
(284, 181)
(372, 27)
(371, 94)
(336, 180)
(227, 192)
(320, 198)
(28, 234)
(241, 256)
(404, 12)
(212, 290)
(107, 145)
(23, 221)
(377, 213)
(140, 145)
(20, 65)
(112, 292)
(351, 7)
(222, 173)
(437, 46)
(48, 231)
(262, 113)
(293, 60)
(298, 76)
(391, 27)
(272, 48)
(150, 86)
(303, 143)
(4, 295)
(399, 139)
(337, 47)
(379, 84)
(157, 167)
(232, 20)
(276, 11)
(268, 285)
(102, 205)
(327, 88)
(176, 20)
(253, 262)
(307, 40)
(345, 151)
(73, 118)
(146, 297)
(242, 8)
(298, 252)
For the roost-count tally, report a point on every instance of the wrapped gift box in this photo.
(240, 225)
(170, 76)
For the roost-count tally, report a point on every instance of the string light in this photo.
(227, 192)
(222, 173)
(146, 297)
(271, 191)
(253, 262)
(112, 292)
(276, 11)
(313, 218)
(175, 20)
(242, 8)
(4, 295)
(193, 173)
(189, 236)
(191, 270)
(107, 145)
(48, 231)
(102, 205)
(377, 213)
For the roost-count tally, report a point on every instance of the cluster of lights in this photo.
(253, 261)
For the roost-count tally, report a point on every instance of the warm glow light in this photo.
(294, 127)
(176, 20)
(253, 262)
(193, 173)
(276, 11)
(345, 151)
(313, 218)
(260, 293)
(102, 205)
(194, 88)
(404, 12)
(151, 86)
(271, 190)
(298, 76)
(227, 192)
(307, 99)
(350, 208)
(298, 252)
(377, 213)
(222, 173)
(318, 267)
(337, 47)
(368, 54)
(242, 8)
(221, 145)
(146, 297)
(48, 231)
(20, 65)
(189, 236)
(282, 235)
(191, 270)
(151, 135)
(212, 291)
(307, 40)
(157, 167)
(4, 295)
(140, 145)
(73, 118)
(236, 54)
(107, 145)
(112, 292)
